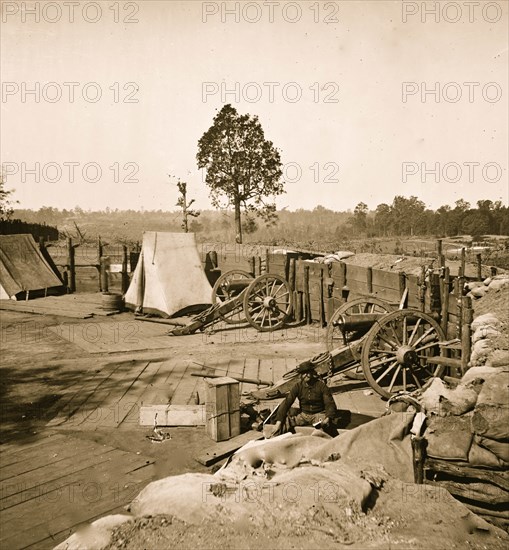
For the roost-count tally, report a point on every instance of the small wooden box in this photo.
(222, 408)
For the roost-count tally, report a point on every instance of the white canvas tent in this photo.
(24, 272)
(169, 277)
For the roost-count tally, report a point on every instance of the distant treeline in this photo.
(403, 217)
(37, 230)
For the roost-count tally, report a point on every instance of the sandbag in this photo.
(291, 493)
(498, 448)
(485, 331)
(480, 456)
(287, 450)
(491, 413)
(499, 358)
(478, 373)
(479, 291)
(449, 437)
(384, 441)
(439, 399)
(95, 535)
(480, 351)
(488, 319)
(498, 284)
(474, 284)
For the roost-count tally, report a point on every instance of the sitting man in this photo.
(317, 406)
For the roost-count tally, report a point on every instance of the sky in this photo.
(103, 101)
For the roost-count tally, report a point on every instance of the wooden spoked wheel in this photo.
(268, 302)
(230, 285)
(395, 352)
(337, 336)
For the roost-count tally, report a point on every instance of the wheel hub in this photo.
(406, 355)
(269, 302)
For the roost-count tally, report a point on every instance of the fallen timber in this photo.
(256, 381)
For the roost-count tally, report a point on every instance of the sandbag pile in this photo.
(478, 289)
(472, 415)
(487, 337)
(469, 425)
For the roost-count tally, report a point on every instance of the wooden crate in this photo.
(222, 408)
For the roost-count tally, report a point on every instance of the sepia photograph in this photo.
(254, 274)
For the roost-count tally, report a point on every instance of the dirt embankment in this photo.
(409, 264)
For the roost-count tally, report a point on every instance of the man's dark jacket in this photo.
(313, 399)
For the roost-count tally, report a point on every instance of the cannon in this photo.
(265, 302)
(393, 349)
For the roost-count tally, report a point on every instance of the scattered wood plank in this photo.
(26, 307)
(498, 477)
(224, 449)
(172, 415)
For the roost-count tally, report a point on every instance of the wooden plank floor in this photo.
(113, 397)
(111, 336)
(78, 306)
(53, 485)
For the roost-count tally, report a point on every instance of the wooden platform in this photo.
(76, 306)
(114, 335)
(51, 486)
(112, 397)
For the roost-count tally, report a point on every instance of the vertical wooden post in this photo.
(445, 300)
(435, 305)
(267, 262)
(418, 452)
(298, 291)
(291, 274)
(252, 265)
(422, 288)
(104, 275)
(291, 282)
(402, 283)
(441, 257)
(71, 264)
(369, 277)
(458, 290)
(463, 262)
(298, 314)
(259, 265)
(321, 313)
(479, 267)
(307, 301)
(343, 281)
(100, 255)
(125, 274)
(466, 341)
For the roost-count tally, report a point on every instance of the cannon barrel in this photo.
(357, 321)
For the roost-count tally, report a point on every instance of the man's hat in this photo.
(306, 367)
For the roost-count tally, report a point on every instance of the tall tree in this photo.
(360, 215)
(383, 219)
(242, 166)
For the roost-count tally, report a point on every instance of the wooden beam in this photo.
(466, 331)
(71, 266)
(125, 274)
(224, 449)
(499, 478)
(479, 266)
(446, 282)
